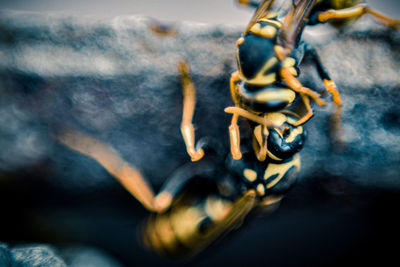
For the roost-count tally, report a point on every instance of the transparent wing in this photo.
(295, 21)
(262, 10)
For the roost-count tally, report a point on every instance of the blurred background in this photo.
(113, 79)
(207, 11)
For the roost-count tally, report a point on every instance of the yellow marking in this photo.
(266, 79)
(280, 169)
(295, 132)
(261, 78)
(272, 156)
(184, 222)
(256, 28)
(269, 200)
(217, 208)
(293, 71)
(270, 63)
(288, 62)
(291, 121)
(271, 21)
(281, 94)
(239, 41)
(244, 2)
(280, 52)
(250, 175)
(234, 136)
(277, 117)
(151, 238)
(260, 189)
(258, 135)
(165, 232)
(259, 145)
(268, 31)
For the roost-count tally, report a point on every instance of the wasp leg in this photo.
(309, 114)
(331, 88)
(249, 3)
(107, 157)
(234, 135)
(296, 86)
(250, 116)
(358, 11)
(234, 79)
(260, 144)
(189, 103)
(323, 73)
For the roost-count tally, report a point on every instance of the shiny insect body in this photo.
(202, 201)
(211, 197)
(271, 49)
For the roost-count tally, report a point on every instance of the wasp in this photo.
(270, 51)
(199, 202)
(202, 201)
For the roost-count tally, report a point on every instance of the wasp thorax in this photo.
(257, 61)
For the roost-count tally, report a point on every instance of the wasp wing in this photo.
(295, 21)
(262, 10)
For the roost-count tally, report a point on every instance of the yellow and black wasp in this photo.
(271, 49)
(202, 201)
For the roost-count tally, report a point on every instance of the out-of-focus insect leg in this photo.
(189, 103)
(250, 3)
(126, 174)
(162, 29)
(323, 73)
(358, 11)
(309, 114)
(331, 88)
